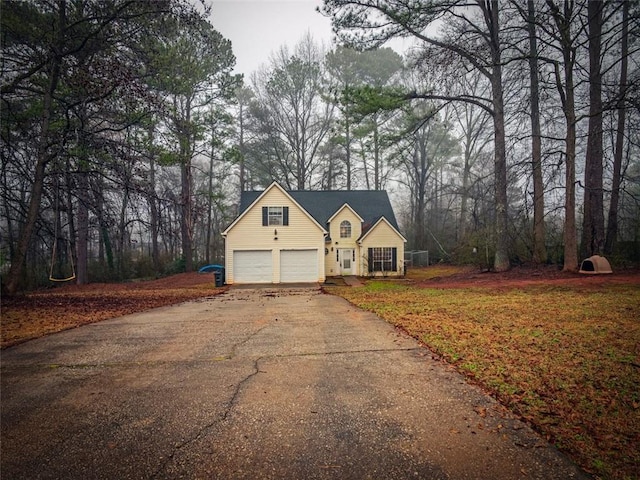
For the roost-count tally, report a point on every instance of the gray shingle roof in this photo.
(322, 205)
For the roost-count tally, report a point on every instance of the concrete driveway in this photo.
(255, 383)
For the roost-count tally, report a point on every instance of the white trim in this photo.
(376, 224)
(342, 208)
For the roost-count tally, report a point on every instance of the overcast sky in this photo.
(258, 28)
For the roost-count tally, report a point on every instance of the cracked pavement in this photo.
(262, 383)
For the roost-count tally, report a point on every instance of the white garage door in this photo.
(298, 266)
(252, 266)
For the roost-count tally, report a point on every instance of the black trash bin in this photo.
(219, 277)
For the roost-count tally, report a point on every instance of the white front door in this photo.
(346, 261)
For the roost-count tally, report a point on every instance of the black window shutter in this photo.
(370, 260)
(265, 216)
(394, 259)
(285, 215)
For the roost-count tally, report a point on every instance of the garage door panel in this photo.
(252, 266)
(299, 266)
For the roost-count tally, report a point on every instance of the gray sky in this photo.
(258, 28)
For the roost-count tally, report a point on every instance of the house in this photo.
(305, 236)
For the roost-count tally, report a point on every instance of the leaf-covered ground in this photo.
(561, 350)
(35, 314)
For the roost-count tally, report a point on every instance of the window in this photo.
(382, 259)
(345, 229)
(275, 216)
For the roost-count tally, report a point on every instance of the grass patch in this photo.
(565, 358)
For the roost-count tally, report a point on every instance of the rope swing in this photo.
(54, 249)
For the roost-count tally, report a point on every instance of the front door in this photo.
(346, 261)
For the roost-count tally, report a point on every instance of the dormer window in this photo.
(345, 229)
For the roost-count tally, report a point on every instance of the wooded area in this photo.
(508, 132)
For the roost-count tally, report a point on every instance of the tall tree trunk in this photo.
(328, 181)
(464, 200)
(612, 220)
(501, 261)
(567, 96)
(570, 234)
(43, 157)
(364, 165)
(347, 139)
(376, 155)
(473, 126)
(420, 172)
(60, 246)
(593, 219)
(7, 215)
(186, 187)
(105, 248)
(122, 231)
(187, 211)
(82, 246)
(241, 147)
(153, 209)
(70, 225)
(539, 248)
(209, 203)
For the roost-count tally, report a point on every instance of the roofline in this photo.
(376, 224)
(273, 185)
(342, 208)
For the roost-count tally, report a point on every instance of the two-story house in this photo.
(284, 236)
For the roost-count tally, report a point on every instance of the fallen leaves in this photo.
(558, 351)
(40, 313)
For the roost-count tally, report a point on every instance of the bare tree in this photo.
(243, 98)
(476, 41)
(593, 216)
(473, 123)
(189, 64)
(291, 115)
(424, 145)
(539, 248)
(566, 40)
(621, 108)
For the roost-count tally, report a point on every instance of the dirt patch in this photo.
(517, 277)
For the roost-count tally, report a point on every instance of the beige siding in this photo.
(382, 235)
(332, 266)
(249, 234)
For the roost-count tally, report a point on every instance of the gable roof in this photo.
(251, 199)
(346, 205)
(382, 220)
(371, 205)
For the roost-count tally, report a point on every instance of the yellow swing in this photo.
(52, 277)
